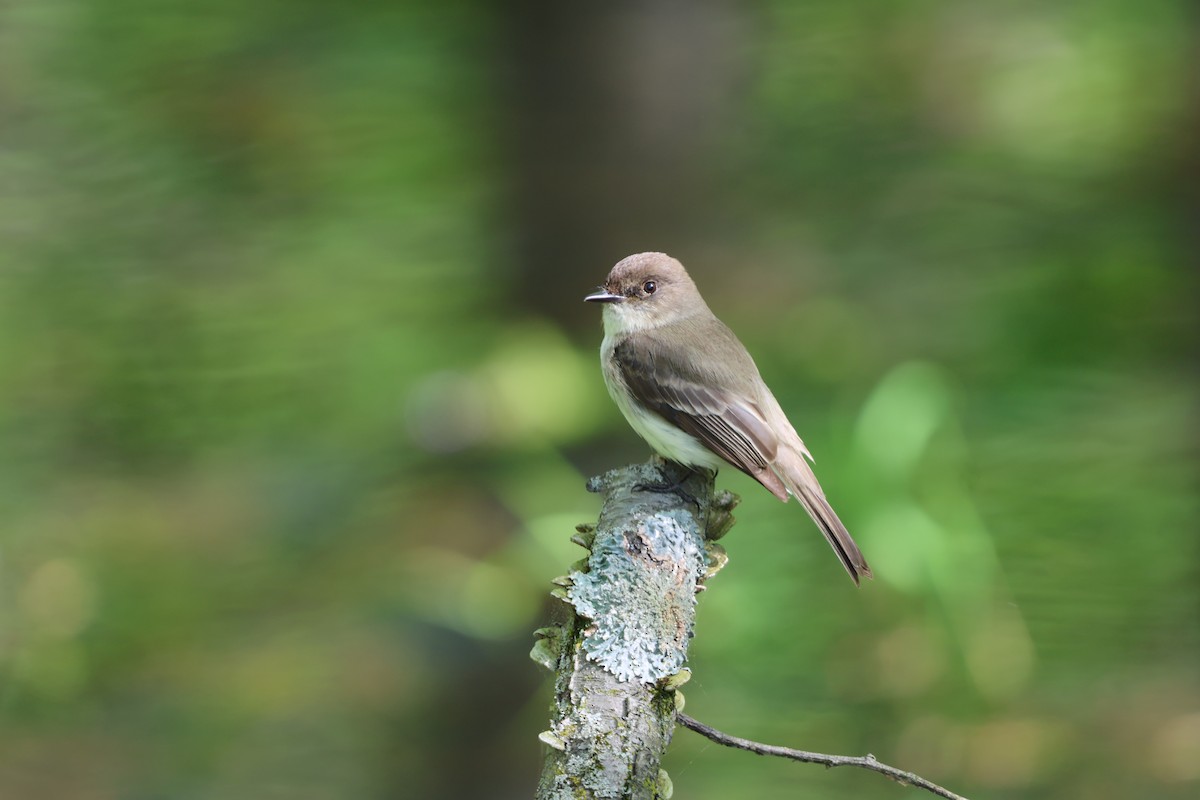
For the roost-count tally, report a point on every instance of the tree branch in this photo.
(619, 656)
(866, 762)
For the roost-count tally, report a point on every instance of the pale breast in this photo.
(666, 439)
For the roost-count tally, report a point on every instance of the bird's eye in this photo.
(649, 287)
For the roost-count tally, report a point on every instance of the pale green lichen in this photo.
(720, 515)
(639, 594)
(678, 679)
(716, 559)
(545, 652)
(666, 788)
(550, 738)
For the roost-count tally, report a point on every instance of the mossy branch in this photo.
(619, 657)
(619, 654)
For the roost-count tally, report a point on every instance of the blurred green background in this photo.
(299, 396)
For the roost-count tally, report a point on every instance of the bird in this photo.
(690, 389)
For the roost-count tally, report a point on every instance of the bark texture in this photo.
(619, 657)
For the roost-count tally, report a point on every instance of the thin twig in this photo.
(866, 762)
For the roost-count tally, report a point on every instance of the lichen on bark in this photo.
(630, 616)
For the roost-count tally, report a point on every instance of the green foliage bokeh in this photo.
(295, 423)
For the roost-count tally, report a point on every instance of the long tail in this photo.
(802, 483)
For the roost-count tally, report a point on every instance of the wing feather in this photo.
(729, 424)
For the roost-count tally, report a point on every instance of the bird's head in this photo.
(647, 290)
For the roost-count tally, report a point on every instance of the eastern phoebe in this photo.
(689, 388)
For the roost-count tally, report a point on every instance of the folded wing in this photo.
(727, 423)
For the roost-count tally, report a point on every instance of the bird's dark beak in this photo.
(604, 296)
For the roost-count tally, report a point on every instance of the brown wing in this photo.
(728, 424)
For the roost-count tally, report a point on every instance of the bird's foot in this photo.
(674, 487)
